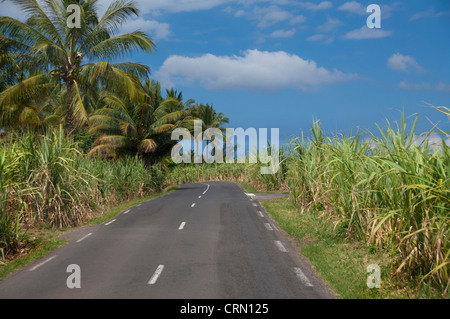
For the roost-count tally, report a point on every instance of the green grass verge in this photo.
(46, 246)
(247, 187)
(47, 240)
(342, 263)
(251, 189)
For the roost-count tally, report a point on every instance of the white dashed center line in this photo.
(84, 237)
(109, 223)
(156, 275)
(206, 189)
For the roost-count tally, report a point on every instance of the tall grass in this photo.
(248, 173)
(45, 180)
(385, 190)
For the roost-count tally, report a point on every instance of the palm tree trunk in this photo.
(69, 119)
(196, 152)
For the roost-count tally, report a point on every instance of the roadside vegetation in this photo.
(388, 192)
(79, 132)
(79, 137)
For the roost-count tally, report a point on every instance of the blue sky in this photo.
(279, 64)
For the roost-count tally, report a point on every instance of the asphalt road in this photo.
(205, 240)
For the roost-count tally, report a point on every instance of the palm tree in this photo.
(210, 119)
(140, 126)
(48, 52)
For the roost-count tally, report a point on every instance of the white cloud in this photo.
(442, 87)
(400, 62)
(433, 141)
(157, 30)
(429, 14)
(282, 33)
(320, 37)
(8, 9)
(359, 9)
(271, 15)
(254, 70)
(324, 5)
(147, 6)
(239, 13)
(439, 87)
(353, 7)
(330, 25)
(297, 19)
(366, 33)
(315, 37)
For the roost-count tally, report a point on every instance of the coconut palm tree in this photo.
(210, 119)
(140, 126)
(48, 51)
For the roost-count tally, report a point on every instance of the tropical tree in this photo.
(141, 126)
(210, 119)
(46, 51)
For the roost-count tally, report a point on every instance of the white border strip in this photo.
(42, 263)
(302, 277)
(280, 246)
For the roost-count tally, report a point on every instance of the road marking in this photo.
(42, 263)
(301, 276)
(206, 189)
(127, 211)
(156, 275)
(182, 225)
(280, 246)
(138, 205)
(200, 196)
(109, 223)
(82, 238)
(260, 213)
(268, 226)
(250, 194)
(193, 205)
(254, 204)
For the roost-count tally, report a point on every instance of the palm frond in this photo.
(26, 90)
(120, 45)
(136, 69)
(81, 117)
(116, 14)
(17, 29)
(109, 145)
(39, 19)
(147, 146)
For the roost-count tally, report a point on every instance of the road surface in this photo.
(205, 240)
